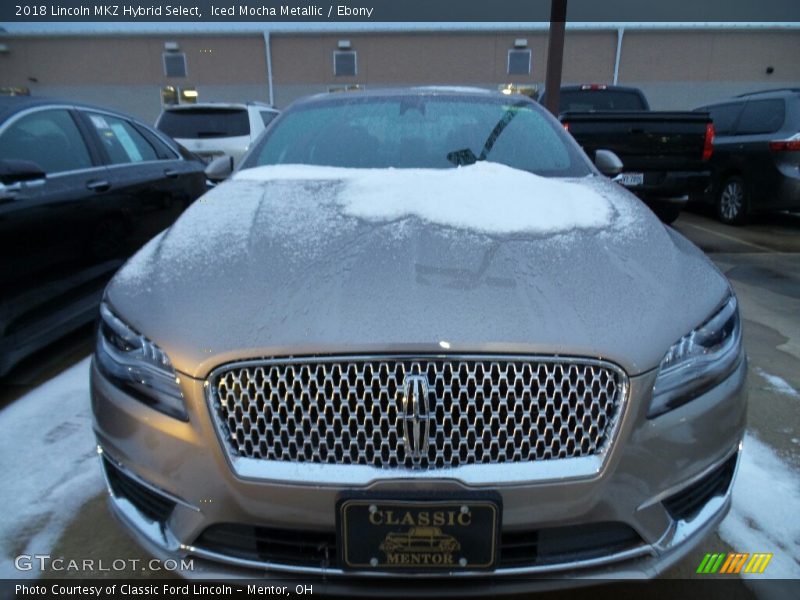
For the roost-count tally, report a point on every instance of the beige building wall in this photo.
(303, 64)
(677, 69)
(127, 72)
(684, 69)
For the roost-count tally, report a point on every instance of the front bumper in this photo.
(651, 462)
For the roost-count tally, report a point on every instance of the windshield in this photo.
(435, 132)
(205, 122)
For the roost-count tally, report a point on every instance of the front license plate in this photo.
(630, 179)
(418, 535)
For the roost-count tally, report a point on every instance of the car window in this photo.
(163, 150)
(267, 116)
(414, 132)
(762, 116)
(205, 123)
(121, 140)
(49, 138)
(724, 116)
(586, 100)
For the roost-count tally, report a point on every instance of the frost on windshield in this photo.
(485, 197)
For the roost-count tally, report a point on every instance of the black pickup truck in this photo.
(665, 154)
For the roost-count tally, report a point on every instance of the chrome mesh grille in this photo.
(349, 411)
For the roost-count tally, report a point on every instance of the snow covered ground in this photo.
(50, 470)
(778, 384)
(49, 465)
(766, 497)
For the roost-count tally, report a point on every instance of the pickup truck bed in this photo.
(664, 154)
(666, 148)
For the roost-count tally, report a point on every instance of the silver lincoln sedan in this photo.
(419, 334)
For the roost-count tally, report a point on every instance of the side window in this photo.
(164, 151)
(267, 116)
(762, 116)
(724, 117)
(121, 140)
(50, 138)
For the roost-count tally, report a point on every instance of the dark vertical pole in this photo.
(555, 54)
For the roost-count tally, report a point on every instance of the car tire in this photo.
(733, 201)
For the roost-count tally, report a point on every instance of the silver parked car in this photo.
(419, 334)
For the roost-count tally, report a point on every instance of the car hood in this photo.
(284, 261)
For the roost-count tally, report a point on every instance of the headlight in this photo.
(137, 365)
(699, 360)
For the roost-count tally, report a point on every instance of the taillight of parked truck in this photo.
(708, 145)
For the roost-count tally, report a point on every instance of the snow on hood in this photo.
(484, 197)
(320, 260)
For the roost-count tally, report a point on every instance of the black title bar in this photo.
(332, 11)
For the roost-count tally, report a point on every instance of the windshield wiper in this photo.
(466, 156)
(462, 158)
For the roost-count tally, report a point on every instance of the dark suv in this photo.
(756, 159)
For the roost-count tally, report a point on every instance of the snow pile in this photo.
(764, 513)
(485, 197)
(49, 465)
(778, 384)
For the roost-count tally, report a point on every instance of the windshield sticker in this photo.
(99, 121)
(127, 142)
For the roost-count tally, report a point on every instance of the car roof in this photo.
(239, 105)
(600, 87)
(10, 105)
(778, 92)
(419, 91)
(759, 95)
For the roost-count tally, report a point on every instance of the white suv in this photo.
(215, 129)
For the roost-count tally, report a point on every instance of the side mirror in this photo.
(607, 163)
(220, 168)
(17, 171)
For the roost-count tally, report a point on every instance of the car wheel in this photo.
(732, 201)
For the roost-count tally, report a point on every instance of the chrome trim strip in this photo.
(157, 490)
(680, 531)
(695, 478)
(508, 572)
(315, 474)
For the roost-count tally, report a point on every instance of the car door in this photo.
(42, 223)
(760, 119)
(50, 282)
(151, 184)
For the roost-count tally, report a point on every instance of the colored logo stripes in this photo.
(734, 563)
